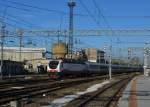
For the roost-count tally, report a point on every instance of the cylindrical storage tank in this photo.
(59, 50)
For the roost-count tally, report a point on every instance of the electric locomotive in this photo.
(61, 68)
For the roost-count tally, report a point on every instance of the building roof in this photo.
(23, 49)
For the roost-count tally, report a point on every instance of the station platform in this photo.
(137, 93)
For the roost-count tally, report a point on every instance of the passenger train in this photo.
(61, 68)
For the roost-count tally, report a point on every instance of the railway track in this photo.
(12, 79)
(22, 83)
(103, 97)
(38, 88)
(22, 80)
(11, 94)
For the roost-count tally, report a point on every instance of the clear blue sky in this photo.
(118, 13)
(108, 7)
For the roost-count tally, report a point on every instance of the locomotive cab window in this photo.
(53, 64)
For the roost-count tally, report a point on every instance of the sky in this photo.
(114, 14)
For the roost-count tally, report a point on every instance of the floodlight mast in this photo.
(71, 5)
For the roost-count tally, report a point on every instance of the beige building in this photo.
(14, 53)
(32, 56)
(94, 55)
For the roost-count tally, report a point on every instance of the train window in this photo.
(53, 64)
(73, 61)
(103, 67)
(94, 66)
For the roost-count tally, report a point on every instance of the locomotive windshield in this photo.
(53, 64)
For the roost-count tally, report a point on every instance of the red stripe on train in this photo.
(53, 70)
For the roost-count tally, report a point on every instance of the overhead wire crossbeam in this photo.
(83, 32)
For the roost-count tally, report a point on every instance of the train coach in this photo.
(61, 68)
(13, 68)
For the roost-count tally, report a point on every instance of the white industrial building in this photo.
(17, 54)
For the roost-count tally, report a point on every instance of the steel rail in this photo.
(15, 94)
(122, 83)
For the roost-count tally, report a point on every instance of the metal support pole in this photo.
(20, 48)
(129, 56)
(20, 34)
(71, 5)
(110, 56)
(119, 56)
(146, 53)
(105, 54)
(2, 46)
(99, 58)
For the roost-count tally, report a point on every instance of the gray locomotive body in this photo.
(74, 68)
(59, 68)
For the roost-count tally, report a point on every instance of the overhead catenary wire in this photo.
(104, 18)
(36, 7)
(6, 14)
(28, 10)
(5, 5)
(55, 11)
(75, 14)
(8, 24)
(62, 12)
(19, 20)
(16, 21)
(91, 15)
(25, 10)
